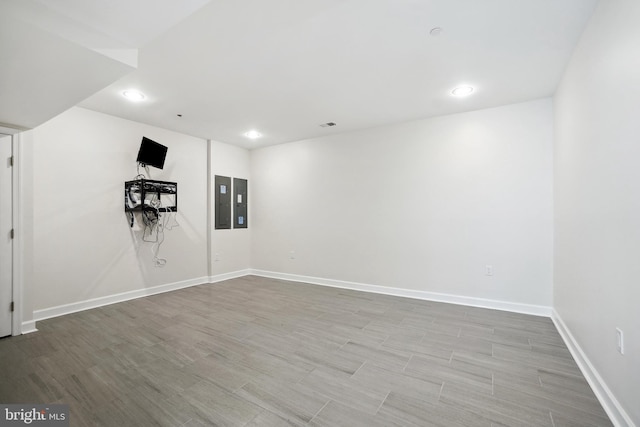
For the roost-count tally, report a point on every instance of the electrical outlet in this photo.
(488, 270)
(292, 255)
(619, 340)
(217, 258)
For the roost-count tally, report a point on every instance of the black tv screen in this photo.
(151, 153)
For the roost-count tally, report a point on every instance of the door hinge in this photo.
(11, 161)
(13, 306)
(11, 233)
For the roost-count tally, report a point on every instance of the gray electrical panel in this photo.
(239, 203)
(223, 202)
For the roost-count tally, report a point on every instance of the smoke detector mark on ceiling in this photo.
(327, 125)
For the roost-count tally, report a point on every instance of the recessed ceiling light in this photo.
(133, 95)
(435, 32)
(464, 90)
(253, 134)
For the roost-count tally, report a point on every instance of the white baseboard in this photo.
(28, 327)
(226, 276)
(61, 310)
(537, 310)
(612, 407)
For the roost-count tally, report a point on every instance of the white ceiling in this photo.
(284, 67)
(56, 53)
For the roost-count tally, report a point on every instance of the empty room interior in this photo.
(320, 212)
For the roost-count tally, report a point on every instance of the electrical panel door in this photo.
(223, 202)
(240, 203)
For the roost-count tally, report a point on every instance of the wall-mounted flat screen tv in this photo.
(151, 153)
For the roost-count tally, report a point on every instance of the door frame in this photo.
(16, 219)
(18, 265)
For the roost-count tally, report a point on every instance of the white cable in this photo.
(156, 225)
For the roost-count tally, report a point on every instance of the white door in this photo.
(6, 242)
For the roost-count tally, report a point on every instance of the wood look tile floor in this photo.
(263, 352)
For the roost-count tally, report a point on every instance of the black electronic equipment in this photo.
(151, 153)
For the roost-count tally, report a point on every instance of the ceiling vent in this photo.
(327, 125)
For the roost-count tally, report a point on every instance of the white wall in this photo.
(83, 246)
(597, 197)
(230, 249)
(423, 205)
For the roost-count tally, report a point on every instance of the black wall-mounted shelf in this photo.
(150, 196)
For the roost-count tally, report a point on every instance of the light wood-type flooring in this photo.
(262, 352)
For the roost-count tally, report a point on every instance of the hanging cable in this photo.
(160, 227)
(155, 217)
(141, 175)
